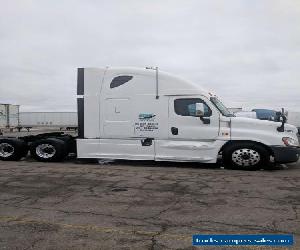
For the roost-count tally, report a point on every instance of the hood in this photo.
(262, 124)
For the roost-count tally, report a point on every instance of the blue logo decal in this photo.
(145, 116)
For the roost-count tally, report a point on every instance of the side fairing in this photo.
(131, 110)
(89, 83)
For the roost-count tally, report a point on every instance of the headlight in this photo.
(290, 141)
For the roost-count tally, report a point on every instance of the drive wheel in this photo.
(246, 156)
(48, 150)
(11, 149)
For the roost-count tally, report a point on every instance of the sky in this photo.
(245, 51)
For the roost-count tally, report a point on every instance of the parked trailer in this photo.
(294, 118)
(234, 110)
(146, 114)
(9, 115)
(61, 120)
(249, 114)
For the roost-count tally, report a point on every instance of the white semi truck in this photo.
(146, 114)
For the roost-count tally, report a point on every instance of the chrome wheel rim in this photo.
(6, 150)
(45, 151)
(245, 157)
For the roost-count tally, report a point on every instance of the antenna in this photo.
(157, 96)
(156, 71)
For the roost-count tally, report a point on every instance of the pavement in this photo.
(142, 205)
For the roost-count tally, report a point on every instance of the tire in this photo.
(12, 149)
(49, 150)
(246, 156)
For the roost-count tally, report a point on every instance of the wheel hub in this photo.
(6, 150)
(45, 151)
(245, 157)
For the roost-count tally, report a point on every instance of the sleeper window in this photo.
(187, 107)
(120, 80)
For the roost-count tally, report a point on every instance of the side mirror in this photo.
(283, 120)
(199, 110)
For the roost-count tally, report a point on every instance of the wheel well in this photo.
(249, 141)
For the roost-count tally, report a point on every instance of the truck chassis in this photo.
(47, 147)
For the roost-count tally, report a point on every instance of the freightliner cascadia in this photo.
(147, 114)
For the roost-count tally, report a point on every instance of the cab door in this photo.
(190, 138)
(184, 125)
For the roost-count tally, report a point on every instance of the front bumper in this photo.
(284, 154)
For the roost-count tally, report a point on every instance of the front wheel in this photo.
(246, 156)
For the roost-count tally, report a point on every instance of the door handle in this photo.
(174, 131)
(147, 142)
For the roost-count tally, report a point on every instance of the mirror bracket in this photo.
(284, 120)
(205, 120)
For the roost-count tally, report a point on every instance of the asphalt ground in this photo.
(142, 205)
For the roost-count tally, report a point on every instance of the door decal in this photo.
(146, 123)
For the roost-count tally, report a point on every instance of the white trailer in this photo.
(234, 110)
(48, 119)
(3, 116)
(146, 114)
(249, 114)
(294, 119)
(9, 115)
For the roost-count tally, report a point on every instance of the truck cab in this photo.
(147, 114)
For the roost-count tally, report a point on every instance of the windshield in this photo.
(221, 107)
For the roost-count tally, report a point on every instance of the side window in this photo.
(120, 80)
(187, 107)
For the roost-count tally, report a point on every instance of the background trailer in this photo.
(9, 115)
